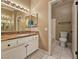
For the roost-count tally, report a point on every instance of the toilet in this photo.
(63, 38)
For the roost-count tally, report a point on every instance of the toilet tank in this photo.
(63, 34)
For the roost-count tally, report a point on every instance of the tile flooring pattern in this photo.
(37, 55)
(57, 53)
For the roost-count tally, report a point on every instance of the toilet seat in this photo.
(63, 39)
(62, 42)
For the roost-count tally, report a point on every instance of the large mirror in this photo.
(7, 21)
(16, 19)
(31, 21)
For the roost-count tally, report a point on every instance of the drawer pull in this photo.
(8, 44)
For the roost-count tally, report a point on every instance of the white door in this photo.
(74, 29)
(36, 42)
(30, 47)
(32, 44)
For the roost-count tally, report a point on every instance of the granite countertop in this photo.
(9, 36)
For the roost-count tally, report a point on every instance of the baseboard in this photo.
(32, 53)
(43, 50)
(37, 50)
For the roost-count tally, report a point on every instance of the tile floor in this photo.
(60, 52)
(57, 53)
(39, 54)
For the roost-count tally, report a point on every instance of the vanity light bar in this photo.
(14, 6)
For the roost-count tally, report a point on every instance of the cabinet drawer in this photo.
(24, 40)
(12, 43)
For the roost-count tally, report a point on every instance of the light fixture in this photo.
(15, 5)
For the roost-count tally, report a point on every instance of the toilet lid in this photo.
(63, 39)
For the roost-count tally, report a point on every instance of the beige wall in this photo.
(41, 7)
(63, 15)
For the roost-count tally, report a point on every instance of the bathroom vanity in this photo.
(20, 47)
(17, 39)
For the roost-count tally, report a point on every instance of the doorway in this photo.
(60, 19)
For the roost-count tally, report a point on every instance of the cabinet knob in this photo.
(8, 44)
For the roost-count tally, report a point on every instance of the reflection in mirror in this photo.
(20, 21)
(7, 22)
(14, 19)
(31, 21)
(35, 20)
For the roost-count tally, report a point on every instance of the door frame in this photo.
(50, 3)
(75, 29)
